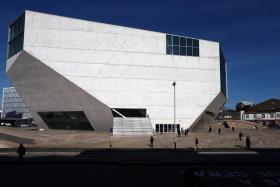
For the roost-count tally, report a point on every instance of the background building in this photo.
(244, 105)
(82, 75)
(266, 112)
(12, 105)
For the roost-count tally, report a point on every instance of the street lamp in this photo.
(174, 84)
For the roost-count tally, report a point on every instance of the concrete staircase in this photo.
(132, 127)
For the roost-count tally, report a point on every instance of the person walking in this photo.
(178, 132)
(210, 129)
(152, 141)
(240, 136)
(21, 152)
(219, 131)
(186, 132)
(196, 143)
(232, 129)
(248, 143)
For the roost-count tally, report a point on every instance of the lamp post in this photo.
(174, 84)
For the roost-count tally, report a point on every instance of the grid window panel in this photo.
(175, 40)
(183, 51)
(168, 40)
(176, 50)
(182, 41)
(189, 51)
(169, 50)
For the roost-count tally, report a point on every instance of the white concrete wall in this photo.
(125, 67)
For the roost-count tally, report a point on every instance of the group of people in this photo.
(240, 135)
(179, 132)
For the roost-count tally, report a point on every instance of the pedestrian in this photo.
(196, 143)
(219, 131)
(178, 132)
(240, 136)
(232, 129)
(186, 132)
(152, 141)
(248, 142)
(210, 129)
(21, 152)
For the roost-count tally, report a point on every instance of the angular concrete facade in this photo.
(75, 65)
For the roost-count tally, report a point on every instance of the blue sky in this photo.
(248, 30)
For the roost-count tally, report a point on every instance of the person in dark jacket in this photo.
(152, 141)
(248, 142)
(196, 143)
(21, 152)
(210, 129)
(219, 131)
(240, 136)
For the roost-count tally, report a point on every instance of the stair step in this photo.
(132, 127)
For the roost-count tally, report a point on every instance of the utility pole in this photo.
(175, 128)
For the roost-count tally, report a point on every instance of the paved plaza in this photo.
(260, 138)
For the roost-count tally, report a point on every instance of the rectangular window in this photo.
(165, 127)
(169, 50)
(175, 50)
(175, 40)
(183, 51)
(195, 51)
(161, 128)
(168, 40)
(182, 46)
(189, 51)
(195, 43)
(66, 120)
(16, 36)
(169, 127)
(271, 115)
(263, 116)
(157, 127)
(189, 42)
(182, 41)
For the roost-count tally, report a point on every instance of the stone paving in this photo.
(261, 138)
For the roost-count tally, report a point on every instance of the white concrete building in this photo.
(107, 75)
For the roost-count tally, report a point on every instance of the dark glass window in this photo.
(168, 40)
(66, 120)
(195, 51)
(16, 33)
(129, 112)
(182, 46)
(183, 51)
(189, 42)
(175, 50)
(195, 43)
(165, 127)
(189, 51)
(175, 40)
(157, 127)
(182, 41)
(168, 49)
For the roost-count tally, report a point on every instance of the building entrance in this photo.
(166, 128)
